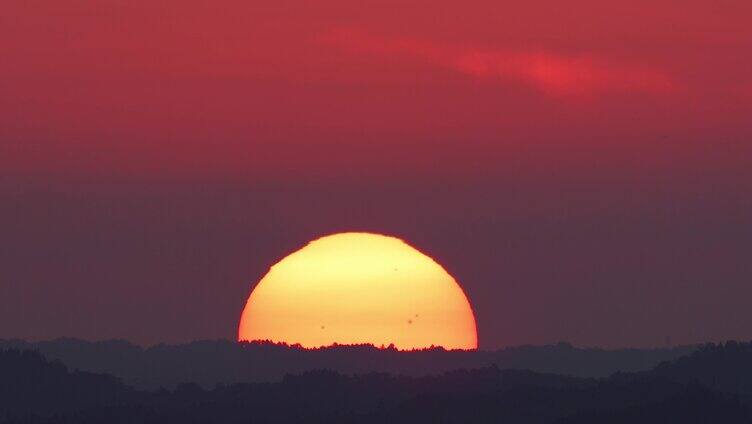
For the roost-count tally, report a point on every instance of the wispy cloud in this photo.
(553, 73)
(563, 75)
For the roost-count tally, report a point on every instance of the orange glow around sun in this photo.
(359, 288)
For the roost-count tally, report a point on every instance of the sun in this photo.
(359, 288)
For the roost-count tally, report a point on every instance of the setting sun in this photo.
(355, 288)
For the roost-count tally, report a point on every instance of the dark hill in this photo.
(208, 363)
(39, 392)
(28, 382)
(693, 405)
(725, 367)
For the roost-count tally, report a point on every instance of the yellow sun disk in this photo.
(354, 288)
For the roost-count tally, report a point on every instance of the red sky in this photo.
(577, 159)
(201, 86)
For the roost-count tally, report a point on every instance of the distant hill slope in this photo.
(723, 367)
(692, 405)
(35, 391)
(29, 382)
(208, 363)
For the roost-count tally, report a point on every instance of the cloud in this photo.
(563, 75)
(550, 72)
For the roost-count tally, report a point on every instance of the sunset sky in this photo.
(582, 168)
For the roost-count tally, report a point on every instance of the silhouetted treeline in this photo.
(208, 363)
(694, 405)
(724, 367)
(29, 383)
(673, 392)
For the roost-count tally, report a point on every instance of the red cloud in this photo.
(562, 75)
(553, 73)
